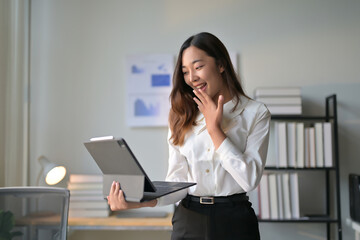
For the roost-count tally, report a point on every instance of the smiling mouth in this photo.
(201, 87)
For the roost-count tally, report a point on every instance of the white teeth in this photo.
(202, 85)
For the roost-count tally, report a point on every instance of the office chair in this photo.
(34, 213)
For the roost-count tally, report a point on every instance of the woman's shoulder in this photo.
(256, 107)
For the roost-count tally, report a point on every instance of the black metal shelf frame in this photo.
(301, 118)
(330, 115)
(299, 169)
(301, 220)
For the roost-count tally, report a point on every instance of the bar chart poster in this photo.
(149, 83)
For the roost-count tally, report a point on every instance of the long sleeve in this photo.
(246, 167)
(235, 167)
(177, 172)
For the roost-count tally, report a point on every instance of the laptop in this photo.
(118, 163)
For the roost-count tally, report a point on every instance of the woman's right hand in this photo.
(116, 198)
(117, 201)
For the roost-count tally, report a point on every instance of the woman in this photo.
(218, 138)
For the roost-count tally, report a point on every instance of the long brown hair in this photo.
(183, 108)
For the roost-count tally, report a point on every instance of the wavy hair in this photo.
(184, 110)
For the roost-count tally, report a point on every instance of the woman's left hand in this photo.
(213, 115)
(211, 111)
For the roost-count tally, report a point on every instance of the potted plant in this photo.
(7, 222)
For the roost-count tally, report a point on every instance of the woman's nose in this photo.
(192, 76)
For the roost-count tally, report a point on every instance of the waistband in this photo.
(240, 197)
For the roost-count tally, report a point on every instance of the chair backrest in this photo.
(34, 213)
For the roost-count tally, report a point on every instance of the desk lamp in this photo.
(52, 172)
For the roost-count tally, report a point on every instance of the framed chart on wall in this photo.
(149, 83)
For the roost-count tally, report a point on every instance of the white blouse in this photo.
(235, 167)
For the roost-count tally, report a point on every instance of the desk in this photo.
(52, 223)
(50, 220)
(116, 223)
(31, 225)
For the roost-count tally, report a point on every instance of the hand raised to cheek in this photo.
(212, 112)
(213, 116)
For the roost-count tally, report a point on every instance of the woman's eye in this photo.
(199, 67)
(185, 73)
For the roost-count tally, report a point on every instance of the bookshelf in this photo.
(331, 215)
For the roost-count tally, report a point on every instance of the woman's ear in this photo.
(221, 68)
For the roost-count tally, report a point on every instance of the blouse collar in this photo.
(228, 115)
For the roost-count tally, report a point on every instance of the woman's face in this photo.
(201, 72)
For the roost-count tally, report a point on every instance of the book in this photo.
(99, 204)
(294, 195)
(85, 178)
(82, 192)
(328, 145)
(255, 200)
(312, 155)
(286, 195)
(264, 197)
(307, 147)
(78, 186)
(73, 213)
(274, 212)
(271, 158)
(280, 195)
(319, 144)
(291, 144)
(281, 144)
(85, 187)
(277, 91)
(280, 100)
(86, 197)
(300, 144)
(285, 109)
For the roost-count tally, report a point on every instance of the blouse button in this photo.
(208, 149)
(207, 171)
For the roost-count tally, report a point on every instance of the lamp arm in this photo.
(38, 178)
(41, 171)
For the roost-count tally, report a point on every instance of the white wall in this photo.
(14, 74)
(77, 65)
(3, 75)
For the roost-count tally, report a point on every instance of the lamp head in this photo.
(53, 173)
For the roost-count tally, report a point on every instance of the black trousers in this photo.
(222, 221)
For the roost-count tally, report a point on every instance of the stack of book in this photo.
(278, 195)
(86, 196)
(280, 100)
(303, 145)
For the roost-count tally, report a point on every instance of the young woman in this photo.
(218, 138)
